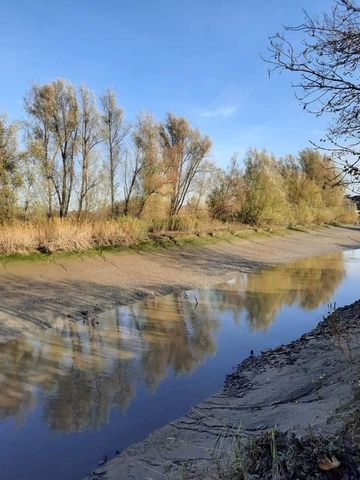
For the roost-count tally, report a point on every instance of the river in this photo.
(80, 391)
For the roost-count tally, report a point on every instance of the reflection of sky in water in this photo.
(81, 392)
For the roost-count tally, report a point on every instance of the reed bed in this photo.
(70, 235)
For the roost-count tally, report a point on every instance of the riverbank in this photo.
(309, 388)
(35, 294)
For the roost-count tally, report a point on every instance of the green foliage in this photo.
(265, 194)
(281, 192)
(313, 192)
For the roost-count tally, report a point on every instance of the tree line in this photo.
(280, 191)
(78, 154)
(81, 156)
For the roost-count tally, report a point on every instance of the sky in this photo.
(197, 58)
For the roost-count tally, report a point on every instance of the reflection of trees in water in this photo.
(162, 333)
(176, 335)
(17, 364)
(85, 372)
(307, 283)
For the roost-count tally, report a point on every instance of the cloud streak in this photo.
(223, 111)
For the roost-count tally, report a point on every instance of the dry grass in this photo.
(69, 235)
(185, 222)
(276, 455)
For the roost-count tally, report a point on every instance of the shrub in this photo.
(265, 198)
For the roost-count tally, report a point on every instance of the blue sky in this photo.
(197, 58)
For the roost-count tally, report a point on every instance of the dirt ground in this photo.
(34, 294)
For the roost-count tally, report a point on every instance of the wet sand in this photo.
(34, 295)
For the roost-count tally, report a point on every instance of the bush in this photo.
(265, 194)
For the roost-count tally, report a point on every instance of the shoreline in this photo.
(151, 240)
(154, 241)
(313, 382)
(36, 294)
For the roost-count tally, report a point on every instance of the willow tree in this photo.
(184, 150)
(225, 199)
(89, 138)
(265, 199)
(40, 142)
(53, 128)
(114, 132)
(9, 167)
(143, 176)
(320, 170)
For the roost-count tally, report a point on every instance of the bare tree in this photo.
(203, 184)
(65, 127)
(327, 65)
(132, 167)
(89, 138)
(114, 132)
(10, 180)
(225, 198)
(40, 144)
(184, 149)
(52, 137)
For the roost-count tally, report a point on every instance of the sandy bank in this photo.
(34, 295)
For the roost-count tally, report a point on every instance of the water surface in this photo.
(84, 390)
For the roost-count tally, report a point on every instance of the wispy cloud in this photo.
(222, 111)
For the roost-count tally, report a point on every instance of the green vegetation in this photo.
(289, 191)
(85, 178)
